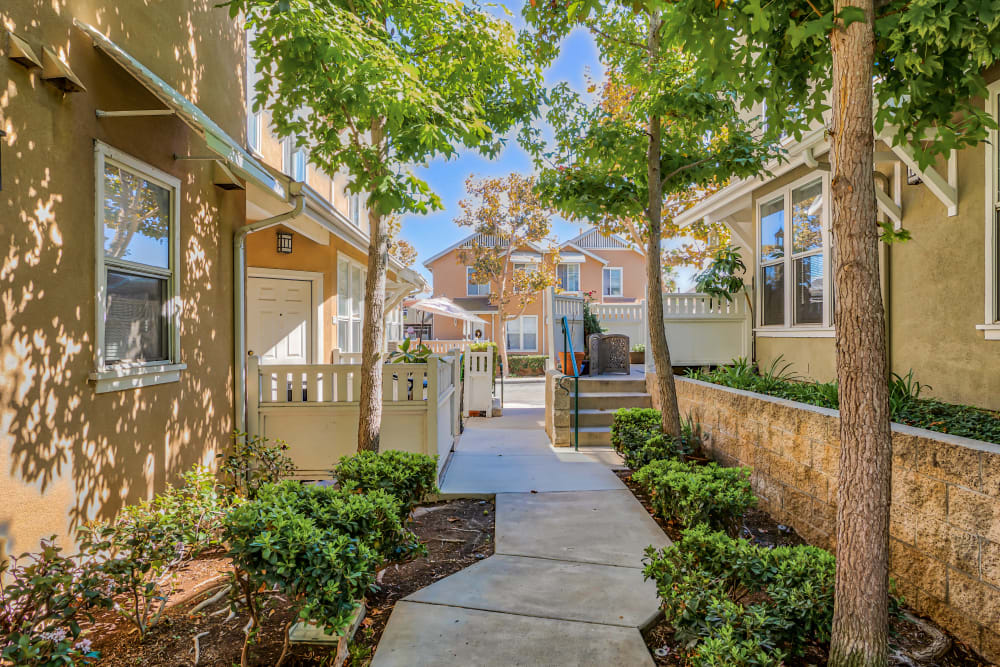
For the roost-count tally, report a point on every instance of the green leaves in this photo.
(374, 88)
(406, 476)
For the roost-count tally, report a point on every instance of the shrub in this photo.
(43, 596)
(736, 603)
(696, 494)
(656, 448)
(319, 546)
(252, 462)
(406, 476)
(524, 365)
(631, 428)
(140, 549)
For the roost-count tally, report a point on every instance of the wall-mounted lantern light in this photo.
(285, 243)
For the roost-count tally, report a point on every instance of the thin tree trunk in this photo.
(860, 621)
(670, 413)
(370, 401)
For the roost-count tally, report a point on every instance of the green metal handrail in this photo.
(568, 346)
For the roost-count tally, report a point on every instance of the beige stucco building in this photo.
(606, 268)
(940, 288)
(128, 173)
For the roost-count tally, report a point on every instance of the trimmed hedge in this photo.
(738, 604)
(636, 435)
(526, 365)
(406, 476)
(695, 494)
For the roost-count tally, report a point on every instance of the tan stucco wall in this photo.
(934, 294)
(68, 454)
(633, 266)
(811, 358)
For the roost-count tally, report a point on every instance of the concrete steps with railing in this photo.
(600, 398)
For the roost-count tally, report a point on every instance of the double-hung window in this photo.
(520, 270)
(793, 256)
(295, 160)
(138, 283)
(522, 334)
(569, 277)
(255, 119)
(355, 209)
(474, 288)
(612, 281)
(350, 304)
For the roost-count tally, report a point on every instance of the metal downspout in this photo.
(239, 296)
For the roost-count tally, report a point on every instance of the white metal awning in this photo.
(525, 257)
(445, 307)
(230, 152)
(571, 258)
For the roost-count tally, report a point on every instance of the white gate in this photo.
(479, 382)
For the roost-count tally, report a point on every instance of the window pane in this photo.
(355, 336)
(136, 218)
(530, 325)
(343, 290)
(343, 339)
(772, 230)
(529, 342)
(773, 295)
(809, 290)
(807, 216)
(355, 291)
(135, 319)
(569, 277)
(612, 282)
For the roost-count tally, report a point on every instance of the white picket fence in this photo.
(445, 346)
(623, 318)
(703, 330)
(571, 307)
(314, 408)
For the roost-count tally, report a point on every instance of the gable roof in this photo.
(568, 244)
(482, 239)
(592, 239)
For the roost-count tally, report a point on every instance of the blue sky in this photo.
(432, 233)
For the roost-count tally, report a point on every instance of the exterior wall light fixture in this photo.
(285, 243)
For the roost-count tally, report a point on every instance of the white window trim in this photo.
(349, 318)
(621, 280)
(255, 128)
(316, 279)
(521, 333)
(991, 316)
(468, 283)
(132, 375)
(789, 330)
(579, 273)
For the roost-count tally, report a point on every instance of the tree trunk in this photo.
(502, 343)
(860, 621)
(370, 401)
(670, 413)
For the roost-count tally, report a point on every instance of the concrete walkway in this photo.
(565, 584)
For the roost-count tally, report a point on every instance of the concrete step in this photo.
(598, 385)
(594, 435)
(594, 417)
(612, 400)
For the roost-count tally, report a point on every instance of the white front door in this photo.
(280, 320)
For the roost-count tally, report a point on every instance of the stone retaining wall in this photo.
(945, 521)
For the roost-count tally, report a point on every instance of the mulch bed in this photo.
(760, 528)
(457, 534)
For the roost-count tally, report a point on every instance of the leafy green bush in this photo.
(905, 404)
(320, 546)
(736, 603)
(43, 597)
(140, 549)
(253, 462)
(696, 494)
(406, 476)
(631, 428)
(404, 355)
(638, 347)
(524, 365)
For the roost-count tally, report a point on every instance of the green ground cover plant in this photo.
(906, 405)
(738, 604)
(697, 494)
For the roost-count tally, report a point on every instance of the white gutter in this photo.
(240, 297)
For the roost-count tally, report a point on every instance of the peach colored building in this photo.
(607, 268)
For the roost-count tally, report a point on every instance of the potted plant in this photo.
(637, 355)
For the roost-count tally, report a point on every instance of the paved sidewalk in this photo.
(565, 584)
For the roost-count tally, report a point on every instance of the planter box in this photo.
(637, 357)
(310, 633)
(945, 522)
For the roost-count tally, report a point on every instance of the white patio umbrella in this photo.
(445, 307)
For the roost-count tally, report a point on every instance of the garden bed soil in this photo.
(760, 528)
(457, 534)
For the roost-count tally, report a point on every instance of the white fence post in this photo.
(253, 396)
(432, 402)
